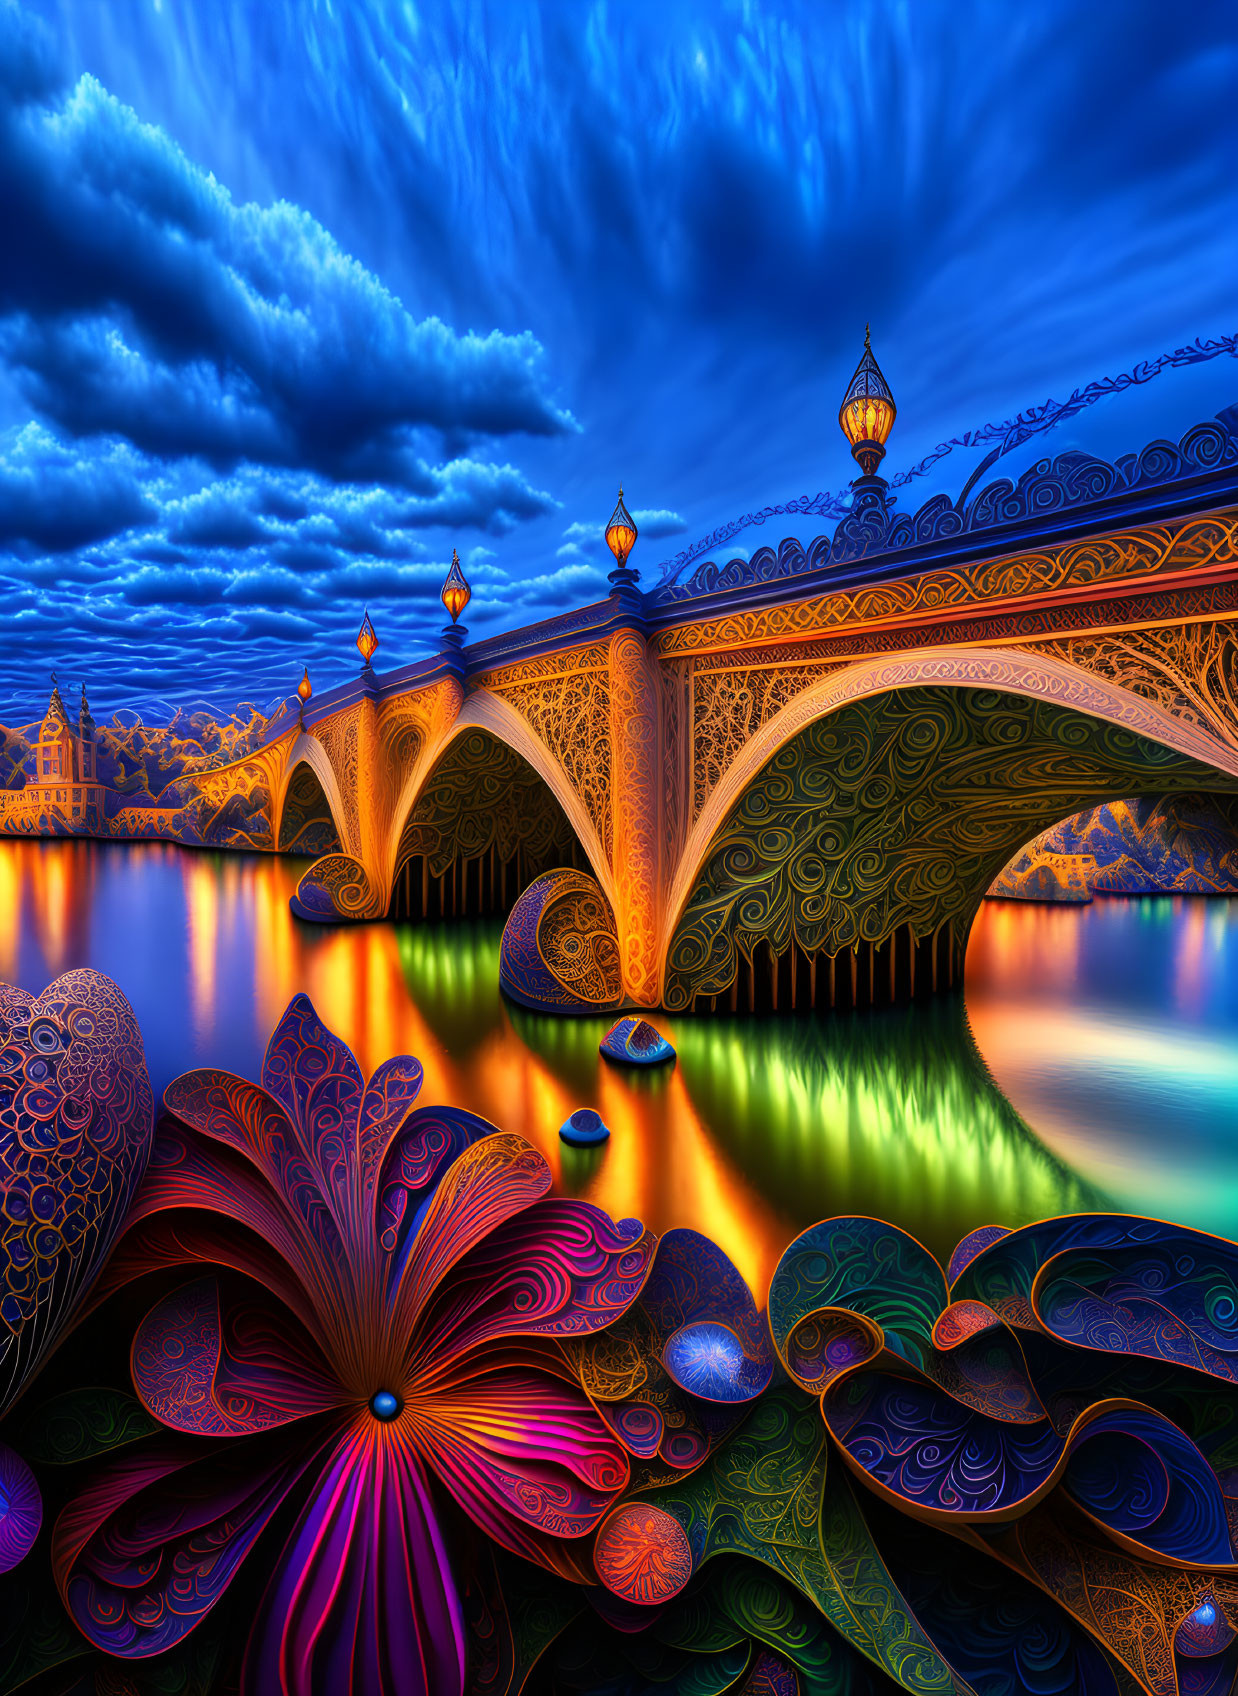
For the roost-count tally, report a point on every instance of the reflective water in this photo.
(1113, 1029)
(1111, 1035)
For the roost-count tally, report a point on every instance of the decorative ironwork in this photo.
(871, 526)
(1011, 433)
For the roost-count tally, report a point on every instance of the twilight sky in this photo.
(295, 295)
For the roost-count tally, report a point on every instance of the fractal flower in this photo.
(372, 1332)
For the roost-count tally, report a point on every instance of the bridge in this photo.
(788, 780)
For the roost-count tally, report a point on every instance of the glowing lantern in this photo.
(305, 688)
(456, 592)
(620, 539)
(867, 413)
(367, 640)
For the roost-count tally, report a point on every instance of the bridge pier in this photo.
(635, 768)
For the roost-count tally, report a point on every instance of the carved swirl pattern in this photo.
(728, 706)
(1191, 670)
(484, 795)
(338, 887)
(898, 810)
(559, 950)
(306, 825)
(340, 736)
(76, 1119)
(1193, 544)
(576, 938)
(565, 698)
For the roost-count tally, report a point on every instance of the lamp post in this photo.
(367, 642)
(304, 690)
(621, 536)
(455, 596)
(867, 414)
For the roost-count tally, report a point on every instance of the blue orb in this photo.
(383, 1405)
(584, 1128)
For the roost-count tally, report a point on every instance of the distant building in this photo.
(65, 795)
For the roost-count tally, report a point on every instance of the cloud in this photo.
(653, 523)
(53, 500)
(142, 301)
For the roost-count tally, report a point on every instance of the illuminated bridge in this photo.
(787, 780)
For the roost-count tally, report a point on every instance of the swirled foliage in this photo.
(896, 810)
(374, 1319)
(397, 1359)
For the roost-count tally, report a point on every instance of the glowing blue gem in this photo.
(383, 1405)
(708, 1360)
(584, 1128)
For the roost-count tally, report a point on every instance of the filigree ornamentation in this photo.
(483, 794)
(340, 736)
(728, 705)
(76, 1120)
(898, 810)
(338, 887)
(306, 825)
(560, 949)
(566, 700)
(1070, 480)
(1193, 544)
(1191, 670)
(634, 737)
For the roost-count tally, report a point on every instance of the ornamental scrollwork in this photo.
(1190, 545)
(1191, 670)
(873, 525)
(899, 810)
(482, 795)
(565, 699)
(729, 705)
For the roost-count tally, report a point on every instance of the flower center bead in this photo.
(383, 1405)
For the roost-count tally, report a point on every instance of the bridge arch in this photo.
(871, 813)
(308, 754)
(488, 789)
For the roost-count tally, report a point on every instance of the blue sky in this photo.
(295, 297)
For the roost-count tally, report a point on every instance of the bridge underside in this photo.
(483, 827)
(851, 867)
(870, 838)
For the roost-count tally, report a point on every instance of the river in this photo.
(1092, 1061)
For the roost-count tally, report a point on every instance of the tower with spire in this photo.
(65, 792)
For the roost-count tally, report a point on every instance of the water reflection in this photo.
(763, 1126)
(1113, 1028)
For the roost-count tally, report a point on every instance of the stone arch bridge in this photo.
(789, 779)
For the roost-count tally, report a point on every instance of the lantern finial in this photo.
(621, 533)
(867, 413)
(456, 593)
(367, 640)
